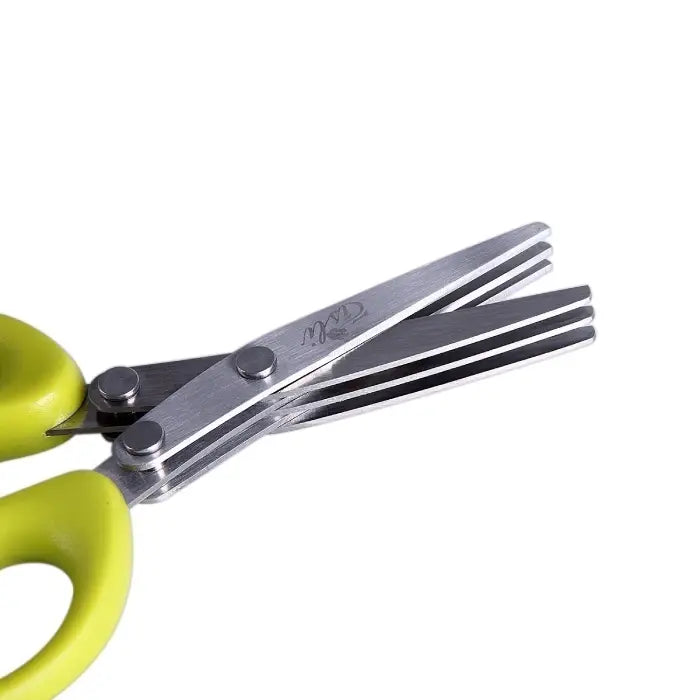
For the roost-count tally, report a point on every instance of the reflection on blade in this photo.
(186, 468)
(435, 364)
(470, 372)
(487, 285)
(418, 338)
(162, 379)
(275, 416)
(212, 458)
(218, 394)
(515, 284)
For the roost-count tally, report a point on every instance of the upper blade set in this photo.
(438, 326)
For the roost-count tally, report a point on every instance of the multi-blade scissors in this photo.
(440, 325)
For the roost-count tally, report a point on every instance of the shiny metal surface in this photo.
(207, 461)
(418, 338)
(549, 347)
(142, 438)
(151, 487)
(160, 380)
(450, 342)
(156, 383)
(284, 415)
(392, 376)
(514, 284)
(371, 350)
(219, 392)
(488, 283)
(118, 384)
(256, 362)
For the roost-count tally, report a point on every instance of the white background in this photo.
(177, 178)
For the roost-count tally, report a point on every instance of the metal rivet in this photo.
(256, 362)
(143, 438)
(118, 383)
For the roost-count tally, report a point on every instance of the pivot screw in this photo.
(143, 437)
(256, 362)
(118, 384)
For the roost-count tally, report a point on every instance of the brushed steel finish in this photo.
(554, 314)
(398, 340)
(362, 384)
(220, 392)
(223, 451)
(488, 284)
(492, 355)
(418, 338)
(543, 349)
(158, 381)
(514, 284)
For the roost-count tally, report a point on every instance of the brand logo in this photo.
(335, 327)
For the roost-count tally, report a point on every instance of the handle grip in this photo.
(80, 523)
(40, 386)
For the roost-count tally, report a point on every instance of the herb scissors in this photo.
(443, 324)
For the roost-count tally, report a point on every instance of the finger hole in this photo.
(34, 600)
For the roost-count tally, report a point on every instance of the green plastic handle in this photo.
(40, 386)
(80, 523)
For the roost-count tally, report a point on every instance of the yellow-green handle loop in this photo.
(40, 386)
(80, 523)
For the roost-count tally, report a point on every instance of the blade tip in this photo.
(539, 227)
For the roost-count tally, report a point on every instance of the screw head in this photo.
(256, 362)
(143, 437)
(118, 384)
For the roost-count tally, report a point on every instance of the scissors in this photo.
(443, 324)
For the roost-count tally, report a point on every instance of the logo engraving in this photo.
(335, 327)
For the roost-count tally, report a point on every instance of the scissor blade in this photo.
(279, 413)
(160, 380)
(492, 282)
(418, 338)
(442, 362)
(539, 350)
(302, 346)
(514, 284)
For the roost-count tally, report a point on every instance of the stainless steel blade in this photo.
(542, 349)
(302, 346)
(487, 285)
(362, 384)
(224, 449)
(228, 445)
(274, 415)
(417, 338)
(515, 284)
(160, 380)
